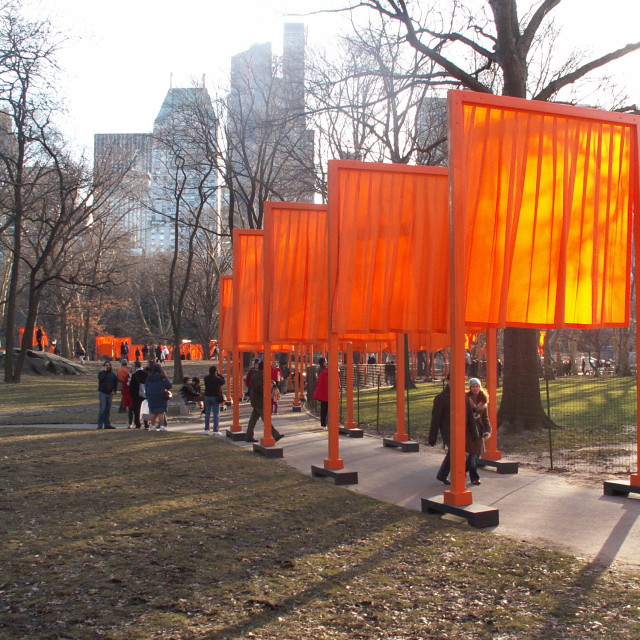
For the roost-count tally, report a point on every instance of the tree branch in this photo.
(555, 86)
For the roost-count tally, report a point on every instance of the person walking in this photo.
(478, 398)
(156, 389)
(321, 394)
(256, 396)
(275, 397)
(441, 423)
(107, 386)
(136, 385)
(213, 398)
(127, 400)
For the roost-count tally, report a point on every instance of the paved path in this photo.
(536, 507)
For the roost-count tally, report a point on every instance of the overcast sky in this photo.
(123, 54)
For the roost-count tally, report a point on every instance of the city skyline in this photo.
(134, 49)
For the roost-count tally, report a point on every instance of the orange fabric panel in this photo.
(104, 346)
(391, 230)
(225, 319)
(298, 295)
(428, 341)
(116, 347)
(248, 288)
(547, 191)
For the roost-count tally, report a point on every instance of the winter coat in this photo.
(137, 378)
(481, 418)
(126, 393)
(256, 390)
(441, 420)
(107, 381)
(322, 386)
(213, 383)
(156, 386)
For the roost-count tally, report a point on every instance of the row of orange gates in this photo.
(529, 226)
(108, 346)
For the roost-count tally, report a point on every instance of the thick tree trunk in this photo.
(521, 406)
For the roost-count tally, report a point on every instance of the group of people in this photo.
(477, 428)
(136, 384)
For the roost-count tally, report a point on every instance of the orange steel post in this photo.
(491, 452)
(267, 271)
(363, 359)
(296, 379)
(457, 495)
(237, 390)
(401, 432)
(333, 460)
(289, 387)
(268, 440)
(349, 423)
(225, 356)
(634, 479)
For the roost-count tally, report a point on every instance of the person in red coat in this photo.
(127, 400)
(322, 391)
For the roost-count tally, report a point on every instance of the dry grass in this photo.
(130, 535)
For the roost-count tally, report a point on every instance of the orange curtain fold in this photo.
(392, 233)
(248, 288)
(548, 197)
(225, 318)
(299, 290)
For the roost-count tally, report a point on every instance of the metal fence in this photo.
(595, 418)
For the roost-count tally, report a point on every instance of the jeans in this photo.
(104, 415)
(472, 467)
(211, 404)
(324, 412)
(445, 467)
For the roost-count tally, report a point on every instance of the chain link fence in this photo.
(596, 418)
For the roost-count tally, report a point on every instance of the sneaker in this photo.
(163, 428)
(130, 426)
(206, 432)
(110, 427)
(217, 433)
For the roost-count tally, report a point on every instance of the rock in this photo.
(47, 364)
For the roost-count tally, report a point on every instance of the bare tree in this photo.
(489, 49)
(268, 148)
(185, 187)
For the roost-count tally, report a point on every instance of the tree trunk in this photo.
(521, 405)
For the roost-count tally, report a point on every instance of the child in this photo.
(275, 397)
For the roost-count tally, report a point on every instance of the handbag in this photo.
(144, 410)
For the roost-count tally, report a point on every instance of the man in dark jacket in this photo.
(139, 377)
(213, 397)
(107, 386)
(256, 395)
(441, 421)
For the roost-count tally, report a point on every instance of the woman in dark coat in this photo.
(479, 399)
(156, 390)
(321, 394)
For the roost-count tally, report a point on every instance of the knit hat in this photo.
(474, 381)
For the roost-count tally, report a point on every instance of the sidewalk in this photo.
(540, 508)
(536, 507)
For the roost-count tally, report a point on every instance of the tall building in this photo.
(271, 148)
(117, 152)
(171, 172)
(184, 168)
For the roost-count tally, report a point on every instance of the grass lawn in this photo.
(131, 535)
(577, 404)
(69, 399)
